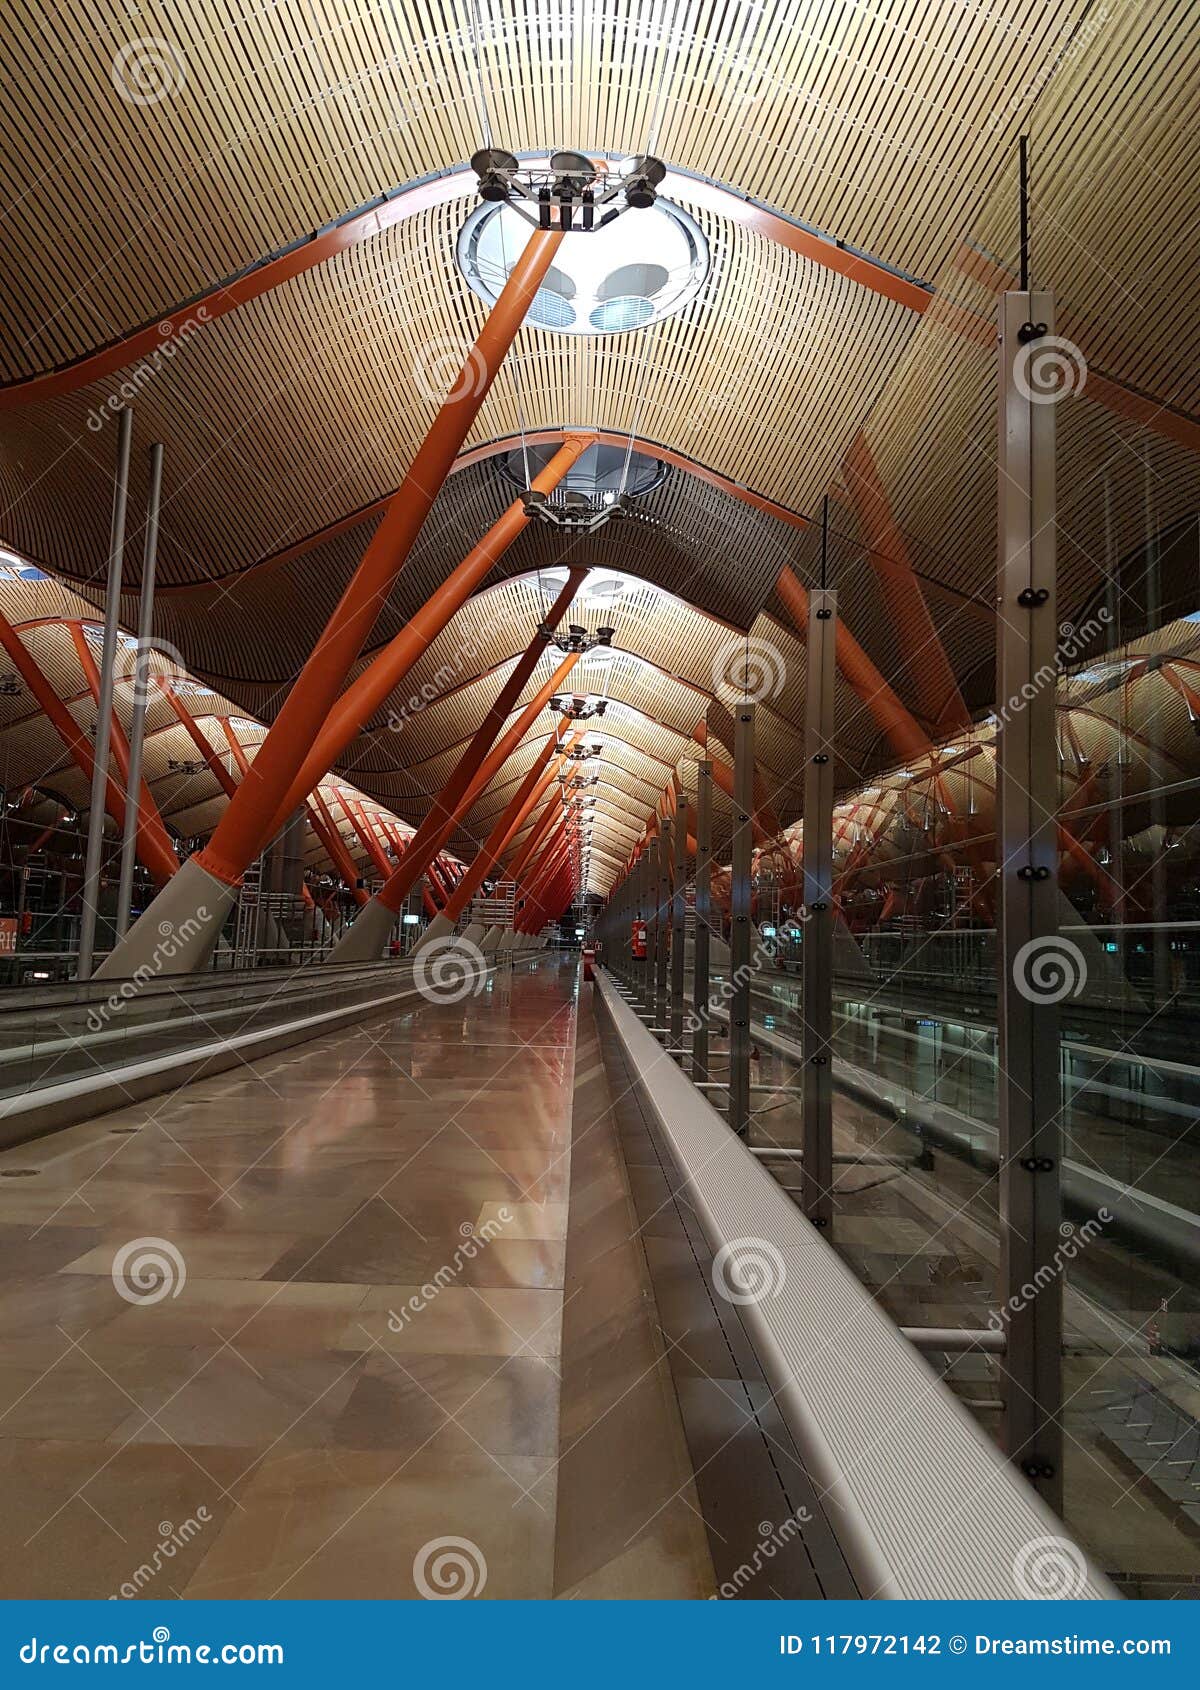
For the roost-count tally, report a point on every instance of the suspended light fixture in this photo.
(567, 191)
(576, 707)
(613, 273)
(577, 638)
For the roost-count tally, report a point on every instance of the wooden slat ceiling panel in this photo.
(284, 413)
(866, 123)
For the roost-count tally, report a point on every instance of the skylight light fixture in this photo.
(611, 275)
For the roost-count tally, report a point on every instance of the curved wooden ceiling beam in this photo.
(367, 222)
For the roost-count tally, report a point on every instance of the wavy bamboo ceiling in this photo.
(150, 155)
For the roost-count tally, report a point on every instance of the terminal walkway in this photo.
(355, 1354)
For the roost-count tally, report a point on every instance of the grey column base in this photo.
(438, 928)
(473, 934)
(490, 943)
(365, 941)
(177, 933)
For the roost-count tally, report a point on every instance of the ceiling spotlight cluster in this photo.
(576, 708)
(577, 638)
(572, 191)
(581, 753)
(574, 510)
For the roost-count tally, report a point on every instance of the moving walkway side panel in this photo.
(923, 1504)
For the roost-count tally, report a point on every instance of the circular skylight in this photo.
(645, 265)
(600, 473)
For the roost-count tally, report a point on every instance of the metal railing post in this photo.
(702, 928)
(112, 613)
(141, 689)
(816, 1038)
(662, 916)
(1027, 806)
(678, 914)
(742, 845)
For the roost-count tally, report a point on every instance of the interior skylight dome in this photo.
(644, 266)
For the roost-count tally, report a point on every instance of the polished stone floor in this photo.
(353, 1355)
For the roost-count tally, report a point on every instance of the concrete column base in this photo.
(474, 932)
(176, 934)
(490, 943)
(437, 929)
(365, 941)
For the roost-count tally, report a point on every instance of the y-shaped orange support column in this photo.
(161, 863)
(371, 929)
(209, 879)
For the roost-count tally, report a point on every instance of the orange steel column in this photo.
(528, 795)
(198, 737)
(364, 696)
(213, 875)
(469, 774)
(148, 816)
(534, 837)
(925, 656)
(906, 737)
(160, 863)
(330, 836)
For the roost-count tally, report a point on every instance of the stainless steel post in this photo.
(740, 969)
(662, 932)
(816, 1038)
(678, 914)
(141, 689)
(1027, 806)
(112, 611)
(702, 927)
